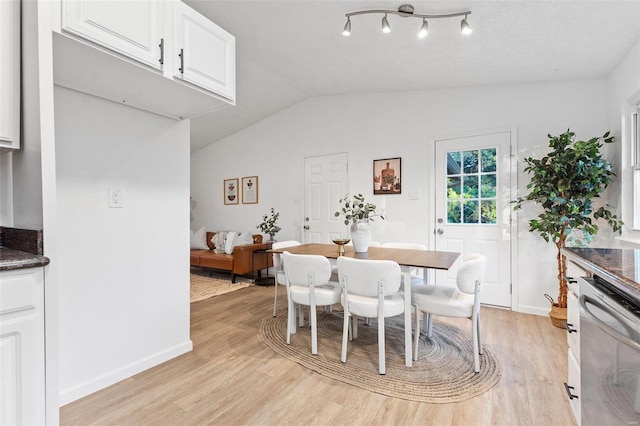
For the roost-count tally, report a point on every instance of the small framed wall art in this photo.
(250, 190)
(387, 176)
(231, 191)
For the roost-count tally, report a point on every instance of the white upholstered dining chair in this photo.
(307, 280)
(371, 289)
(462, 301)
(279, 269)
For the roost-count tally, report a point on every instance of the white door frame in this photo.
(513, 227)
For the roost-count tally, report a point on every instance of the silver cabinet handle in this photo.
(306, 227)
(161, 46)
(181, 54)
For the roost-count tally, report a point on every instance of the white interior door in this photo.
(473, 213)
(325, 182)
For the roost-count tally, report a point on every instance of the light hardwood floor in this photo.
(231, 378)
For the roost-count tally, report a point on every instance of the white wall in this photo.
(383, 125)
(123, 273)
(623, 84)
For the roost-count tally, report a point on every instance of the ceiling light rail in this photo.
(407, 11)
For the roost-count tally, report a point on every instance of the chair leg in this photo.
(408, 353)
(478, 331)
(381, 349)
(345, 333)
(314, 330)
(275, 298)
(416, 336)
(290, 320)
(354, 327)
(474, 335)
(300, 316)
(429, 325)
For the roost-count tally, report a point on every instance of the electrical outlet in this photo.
(115, 198)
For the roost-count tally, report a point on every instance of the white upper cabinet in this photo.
(135, 52)
(10, 74)
(205, 52)
(132, 28)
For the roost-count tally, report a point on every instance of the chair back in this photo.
(362, 276)
(471, 271)
(300, 268)
(277, 257)
(408, 246)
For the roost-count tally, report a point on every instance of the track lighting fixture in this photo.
(406, 11)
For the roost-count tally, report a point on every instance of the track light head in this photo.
(424, 29)
(347, 28)
(386, 28)
(465, 28)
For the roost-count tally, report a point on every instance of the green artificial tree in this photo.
(564, 183)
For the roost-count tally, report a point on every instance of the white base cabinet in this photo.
(10, 74)
(22, 348)
(572, 385)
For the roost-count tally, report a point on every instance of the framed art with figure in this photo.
(250, 190)
(387, 176)
(231, 191)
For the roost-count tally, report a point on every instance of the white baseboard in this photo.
(533, 310)
(79, 391)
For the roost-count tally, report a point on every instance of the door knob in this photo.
(440, 231)
(306, 227)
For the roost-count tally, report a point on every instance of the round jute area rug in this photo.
(443, 372)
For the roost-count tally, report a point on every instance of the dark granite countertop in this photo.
(618, 267)
(16, 259)
(21, 248)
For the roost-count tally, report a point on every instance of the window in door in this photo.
(471, 186)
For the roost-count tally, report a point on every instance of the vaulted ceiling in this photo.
(287, 51)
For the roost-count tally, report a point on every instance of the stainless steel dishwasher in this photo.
(610, 356)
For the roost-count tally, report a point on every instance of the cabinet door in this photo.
(22, 384)
(205, 53)
(10, 74)
(573, 380)
(573, 318)
(132, 28)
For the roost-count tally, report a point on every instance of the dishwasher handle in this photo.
(603, 326)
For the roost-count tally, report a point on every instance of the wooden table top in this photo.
(415, 258)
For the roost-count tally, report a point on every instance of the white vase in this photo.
(361, 235)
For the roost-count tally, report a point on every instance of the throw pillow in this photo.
(199, 239)
(218, 241)
(243, 239)
(229, 240)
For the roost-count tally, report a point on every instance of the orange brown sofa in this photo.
(240, 262)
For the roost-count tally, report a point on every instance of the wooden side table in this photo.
(259, 279)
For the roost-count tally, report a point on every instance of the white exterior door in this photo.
(325, 182)
(473, 211)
